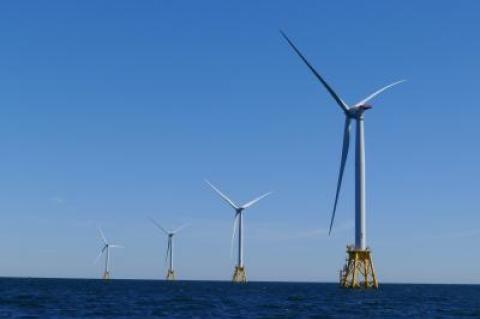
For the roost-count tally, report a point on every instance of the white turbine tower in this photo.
(106, 250)
(169, 254)
(240, 274)
(359, 261)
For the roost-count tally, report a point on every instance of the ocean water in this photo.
(65, 298)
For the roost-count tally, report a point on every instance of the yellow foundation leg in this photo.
(240, 275)
(358, 271)
(170, 275)
(106, 275)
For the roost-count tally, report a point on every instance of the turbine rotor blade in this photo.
(105, 241)
(250, 203)
(374, 94)
(99, 255)
(222, 195)
(339, 101)
(182, 227)
(346, 144)
(158, 225)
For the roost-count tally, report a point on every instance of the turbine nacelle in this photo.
(357, 110)
(365, 106)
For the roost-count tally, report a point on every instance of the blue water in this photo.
(64, 298)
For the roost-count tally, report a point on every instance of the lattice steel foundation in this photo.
(240, 275)
(170, 275)
(358, 271)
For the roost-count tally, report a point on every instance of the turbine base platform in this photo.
(170, 275)
(358, 271)
(240, 275)
(106, 275)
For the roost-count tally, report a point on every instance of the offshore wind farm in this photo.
(315, 206)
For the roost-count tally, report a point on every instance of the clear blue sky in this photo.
(114, 111)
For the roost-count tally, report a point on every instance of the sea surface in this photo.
(65, 298)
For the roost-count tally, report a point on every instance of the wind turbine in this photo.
(240, 274)
(169, 254)
(359, 255)
(106, 250)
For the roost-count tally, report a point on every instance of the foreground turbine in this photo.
(240, 274)
(169, 254)
(359, 256)
(106, 250)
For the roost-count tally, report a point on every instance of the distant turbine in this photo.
(106, 250)
(240, 273)
(352, 112)
(169, 254)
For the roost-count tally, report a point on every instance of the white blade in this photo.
(222, 195)
(335, 96)
(182, 227)
(102, 235)
(250, 203)
(235, 223)
(374, 94)
(345, 147)
(100, 255)
(158, 225)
